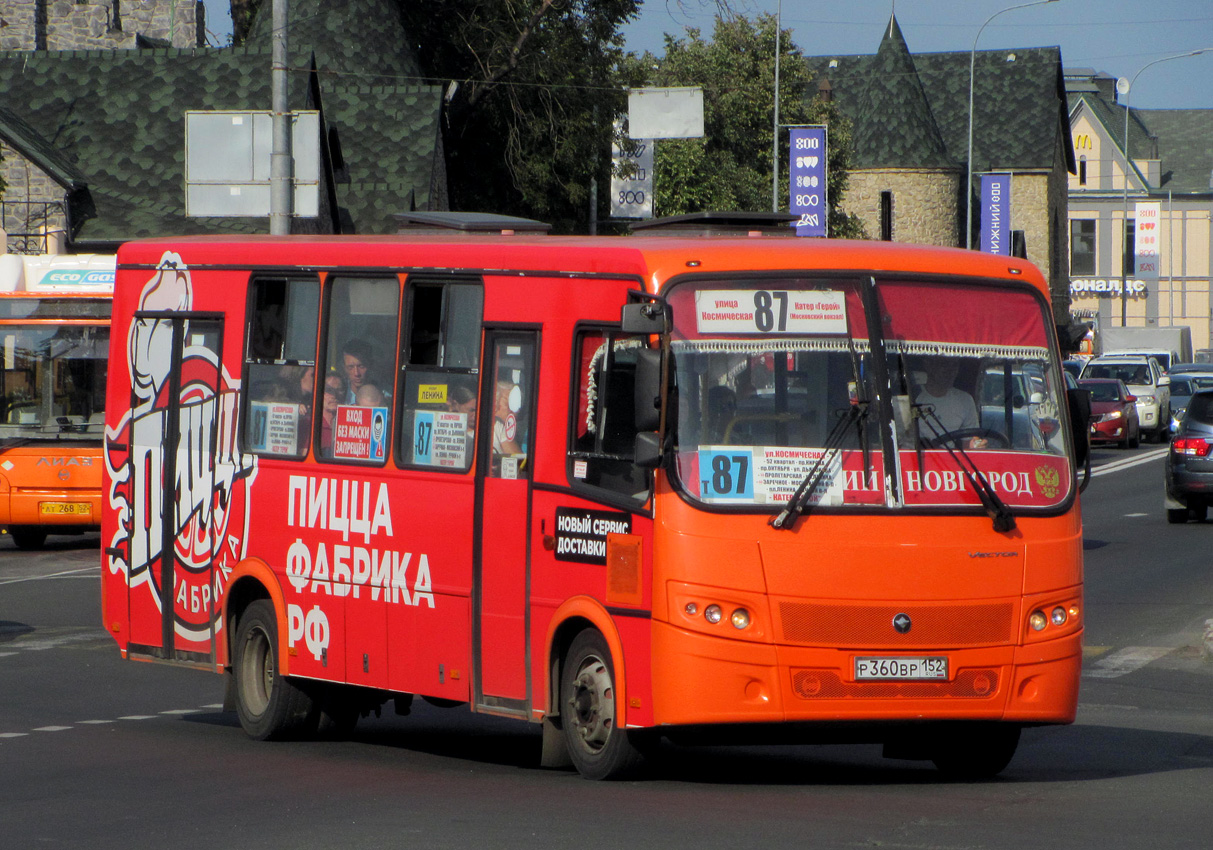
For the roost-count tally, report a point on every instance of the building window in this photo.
(1082, 247)
(1082, 171)
(886, 216)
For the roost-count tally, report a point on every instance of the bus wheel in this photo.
(269, 705)
(597, 746)
(27, 536)
(979, 752)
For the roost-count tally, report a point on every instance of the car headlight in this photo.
(1115, 414)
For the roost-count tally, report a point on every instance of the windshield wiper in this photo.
(995, 507)
(855, 414)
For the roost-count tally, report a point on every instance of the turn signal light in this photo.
(1191, 446)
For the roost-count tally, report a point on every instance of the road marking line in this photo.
(183, 711)
(93, 722)
(50, 575)
(1136, 515)
(138, 717)
(1129, 463)
(1094, 651)
(1126, 661)
(13, 734)
(52, 728)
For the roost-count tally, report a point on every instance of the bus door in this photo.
(175, 423)
(504, 471)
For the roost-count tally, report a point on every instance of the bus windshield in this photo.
(775, 383)
(53, 382)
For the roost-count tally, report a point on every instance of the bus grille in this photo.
(855, 626)
(827, 684)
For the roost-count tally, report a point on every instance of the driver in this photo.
(954, 408)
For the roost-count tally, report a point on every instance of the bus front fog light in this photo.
(740, 618)
(1038, 621)
(713, 614)
(1059, 616)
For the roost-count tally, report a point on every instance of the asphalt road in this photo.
(98, 752)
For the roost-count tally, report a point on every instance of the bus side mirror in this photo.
(648, 389)
(647, 454)
(647, 317)
(1079, 402)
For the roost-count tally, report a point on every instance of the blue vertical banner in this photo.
(995, 214)
(807, 180)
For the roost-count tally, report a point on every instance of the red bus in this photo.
(54, 327)
(667, 485)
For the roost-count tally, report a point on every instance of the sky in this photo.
(1116, 36)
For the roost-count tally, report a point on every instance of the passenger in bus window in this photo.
(369, 395)
(505, 425)
(307, 386)
(953, 408)
(461, 398)
(357, 361)
(334, 391)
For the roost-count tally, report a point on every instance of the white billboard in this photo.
(669, 113)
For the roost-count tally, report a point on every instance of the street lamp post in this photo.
(775, 141)
(1125, 86)
(969, 161)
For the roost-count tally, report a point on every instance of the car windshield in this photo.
(1130, 373)
(776, 383)
(53, 381)
(1188, 384)
(1200, 409)
(1101, 391)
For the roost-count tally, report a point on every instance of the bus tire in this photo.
(597, 746)
(981, 751)
(27, 537)
(268, 704)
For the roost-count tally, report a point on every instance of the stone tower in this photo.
(100, 24)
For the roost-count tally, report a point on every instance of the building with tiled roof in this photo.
(1170, 169)
(93, 140)
(910, 114)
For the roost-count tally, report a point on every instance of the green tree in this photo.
(528, 120)
(730, 167)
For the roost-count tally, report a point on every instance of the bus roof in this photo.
(654, 259)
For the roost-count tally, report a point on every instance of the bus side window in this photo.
(280, 365)
(603, 431)
(441, 375)
(360, 357)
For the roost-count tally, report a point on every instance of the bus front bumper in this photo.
(700, 679)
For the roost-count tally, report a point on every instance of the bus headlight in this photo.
(740, 618)
(1059, 616)
(713, 614)
(1038, 621)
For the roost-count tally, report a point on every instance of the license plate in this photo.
(902, 668)
(63, 507)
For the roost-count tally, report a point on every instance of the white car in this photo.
(1146, 380)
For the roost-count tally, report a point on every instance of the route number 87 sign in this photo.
(770, 311)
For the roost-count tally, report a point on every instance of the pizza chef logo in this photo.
(207, 502)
